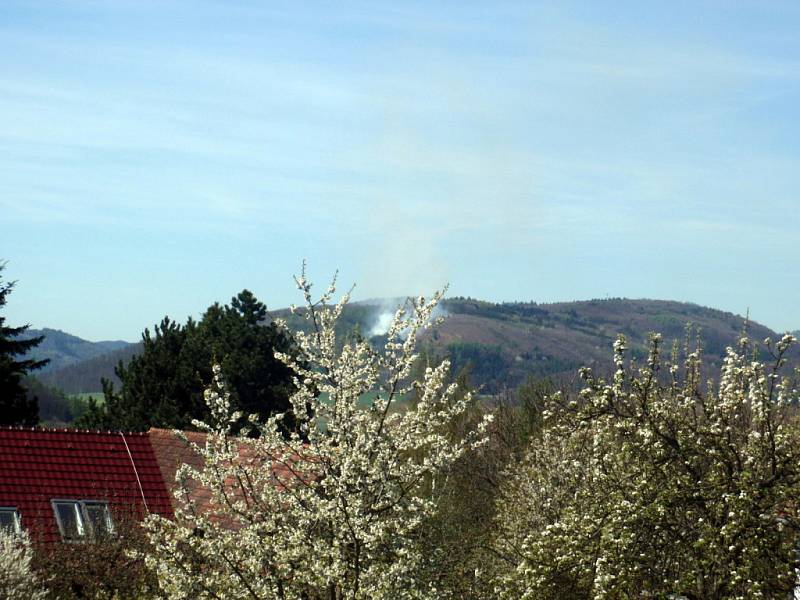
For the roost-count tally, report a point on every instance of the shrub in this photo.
(101, 569)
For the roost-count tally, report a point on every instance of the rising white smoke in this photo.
(385, 312)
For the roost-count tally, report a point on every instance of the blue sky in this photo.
(158, 156)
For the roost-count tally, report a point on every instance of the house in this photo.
(61, 484)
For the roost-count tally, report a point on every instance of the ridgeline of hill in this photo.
(503, 343)
(507, 342)
(85, 376)
(64, 349)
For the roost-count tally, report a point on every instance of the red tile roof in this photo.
(171, 452)
(39, 465)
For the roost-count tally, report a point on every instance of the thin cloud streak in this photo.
(375, 135)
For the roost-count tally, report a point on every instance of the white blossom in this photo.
(334, 509)
(18, 581)
(659, 487)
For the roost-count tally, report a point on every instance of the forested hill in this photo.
(64, 349)
(504, 343)
(85, 376)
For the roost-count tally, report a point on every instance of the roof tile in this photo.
(38, 465)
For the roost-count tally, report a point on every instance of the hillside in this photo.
(559, 338)
(64, 349)
(85, 376)
(504, 343)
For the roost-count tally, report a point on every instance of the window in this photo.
(82, 519)
(98, 517)
(9, 519)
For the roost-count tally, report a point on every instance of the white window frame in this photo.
(84, 524)
(16, 527)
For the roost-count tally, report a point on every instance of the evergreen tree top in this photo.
(16, 408)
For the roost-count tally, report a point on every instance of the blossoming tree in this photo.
(653, 485)
(333, 508)
(18, 581)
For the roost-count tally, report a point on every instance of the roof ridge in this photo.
(70, 430)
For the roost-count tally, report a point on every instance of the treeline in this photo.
(504, 342)
(56, 409)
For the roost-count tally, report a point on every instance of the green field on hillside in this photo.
(85, 396)
(367, 399)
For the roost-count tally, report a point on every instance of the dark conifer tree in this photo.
(159, 386)
(163, 385)
(16, 408)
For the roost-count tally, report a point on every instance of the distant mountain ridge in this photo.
(86, 375)
(63, 349)
(503, 343)
(559, 338)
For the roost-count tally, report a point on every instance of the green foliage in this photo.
(55, 407)
(80, 404)
(163, 386)
(531, 399)
(356, 320)
(458, 537)
(16, 408)
(487, 364)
